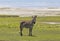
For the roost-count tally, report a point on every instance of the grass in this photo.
(9, 29)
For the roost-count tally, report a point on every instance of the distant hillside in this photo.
(9, 16)
(30, 11)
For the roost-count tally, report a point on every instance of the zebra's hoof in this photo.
(21, 34)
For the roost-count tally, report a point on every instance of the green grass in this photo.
(9, 29)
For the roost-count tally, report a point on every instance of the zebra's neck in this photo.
(34, 20)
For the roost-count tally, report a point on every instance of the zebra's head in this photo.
(34, 19)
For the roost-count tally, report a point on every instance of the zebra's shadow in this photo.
(28, 35)
(33, 36)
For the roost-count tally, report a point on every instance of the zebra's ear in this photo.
(35, 15)
(32, 16)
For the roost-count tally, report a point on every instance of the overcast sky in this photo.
(29, 3)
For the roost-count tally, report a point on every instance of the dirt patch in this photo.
(51, 22)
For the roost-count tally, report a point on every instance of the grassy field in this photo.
(9, 29)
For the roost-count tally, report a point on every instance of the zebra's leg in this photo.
(30, 31)
(21, 31)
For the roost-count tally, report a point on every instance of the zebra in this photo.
(28, 24)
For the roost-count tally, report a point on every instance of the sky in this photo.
(29, 3)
